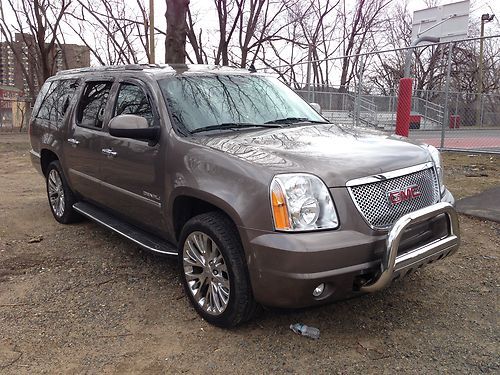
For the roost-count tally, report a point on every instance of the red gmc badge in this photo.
(403, 195)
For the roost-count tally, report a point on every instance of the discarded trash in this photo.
(489, 257)
(304, 330)
(35, 239)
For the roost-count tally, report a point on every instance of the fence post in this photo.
(360, 88)
(481, 123)
(404, 107)
(308, 78)
(446, 116)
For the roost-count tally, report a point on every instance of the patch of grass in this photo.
(469, 174)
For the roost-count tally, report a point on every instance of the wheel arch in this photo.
(189, 204)
(46, 157)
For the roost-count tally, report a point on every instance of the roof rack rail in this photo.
(111, 68)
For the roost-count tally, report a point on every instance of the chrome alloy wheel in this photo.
(56, 193)
(206, 273)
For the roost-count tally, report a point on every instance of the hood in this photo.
(334, 153)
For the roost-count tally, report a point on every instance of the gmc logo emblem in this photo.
(406, 194)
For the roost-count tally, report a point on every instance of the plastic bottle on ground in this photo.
(304, 330)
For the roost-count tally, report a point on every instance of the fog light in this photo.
(319, 290)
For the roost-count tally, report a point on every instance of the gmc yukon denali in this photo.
(263, 201)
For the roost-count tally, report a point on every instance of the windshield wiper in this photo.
(295, 120)
(233, 125)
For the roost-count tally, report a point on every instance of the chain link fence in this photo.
(449, 109)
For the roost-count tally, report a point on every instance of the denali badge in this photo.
(406, 194)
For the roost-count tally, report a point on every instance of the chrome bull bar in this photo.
(393, 264)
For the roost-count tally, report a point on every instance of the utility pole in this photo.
(484, 18)
(151, 31)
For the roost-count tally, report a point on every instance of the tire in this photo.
(213, 270)
(61, 198)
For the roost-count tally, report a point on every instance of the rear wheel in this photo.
(213, 270)
(61, 199)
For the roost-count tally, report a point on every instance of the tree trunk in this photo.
(175, 40)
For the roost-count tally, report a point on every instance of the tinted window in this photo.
(90, 111)
(56, 100)
(39, 99)
(132, 100)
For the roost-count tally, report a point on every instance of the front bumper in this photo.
(393, 265)
(286, 268)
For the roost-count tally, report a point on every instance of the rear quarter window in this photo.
(54, 100)
(41, 94)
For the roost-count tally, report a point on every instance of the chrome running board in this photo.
(140, 237)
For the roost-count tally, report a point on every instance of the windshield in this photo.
(196, 102)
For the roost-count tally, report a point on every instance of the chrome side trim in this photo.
(35, 154)
(116, 188)
(391, 263)
(109, 152)
(389, 175)
(90, 216)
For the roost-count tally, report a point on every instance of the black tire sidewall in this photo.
(69, 214)
(240, 295)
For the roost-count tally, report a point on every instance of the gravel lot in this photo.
(80, 299)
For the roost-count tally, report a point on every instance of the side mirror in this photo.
(132, 126)
(316, 107)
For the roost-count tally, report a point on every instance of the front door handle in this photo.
(73, 141)
(109, 152)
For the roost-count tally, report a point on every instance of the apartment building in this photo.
(20, 74)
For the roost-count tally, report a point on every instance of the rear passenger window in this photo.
(131, 100)
(90, 112)
(56, 100)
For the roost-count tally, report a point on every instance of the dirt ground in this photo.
(80, 299)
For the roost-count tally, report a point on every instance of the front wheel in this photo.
(213, 270)
(60, 196)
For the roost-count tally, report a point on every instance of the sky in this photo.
(205, 7)
(204, 12)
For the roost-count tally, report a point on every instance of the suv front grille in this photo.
(373, 201)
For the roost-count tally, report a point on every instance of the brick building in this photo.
(66, 56)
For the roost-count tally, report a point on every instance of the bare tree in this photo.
(119, 33)
(250, 37)
(36, 25)
(195, 40)
(228, 14)
(318, 31)
(359, 26)
(386, 71)
(175, 40)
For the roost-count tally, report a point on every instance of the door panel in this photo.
(132, 169)
(82, 146)
(83, 158)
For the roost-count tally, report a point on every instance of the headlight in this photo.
(301, 202)
(436, 158)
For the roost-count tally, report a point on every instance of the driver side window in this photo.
(131, 100)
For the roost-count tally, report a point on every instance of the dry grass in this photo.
(469, 174)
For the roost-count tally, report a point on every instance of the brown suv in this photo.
(262, 199)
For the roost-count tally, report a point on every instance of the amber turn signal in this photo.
(280, 210)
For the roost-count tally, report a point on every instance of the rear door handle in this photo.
(109, 152)
(73, 141)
